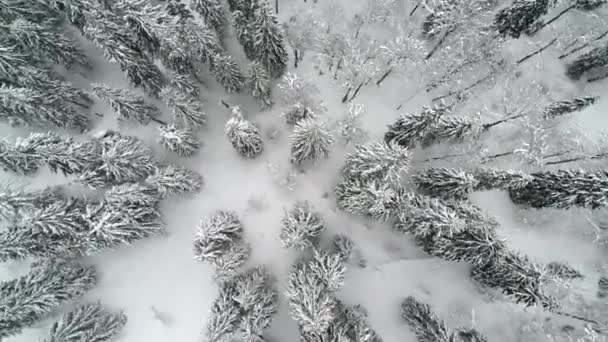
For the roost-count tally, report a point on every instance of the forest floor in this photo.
(167, 295)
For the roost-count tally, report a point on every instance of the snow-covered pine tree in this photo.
(560, 108)
(379, 161)
(15, 201)
(133, 194)
(19, 242)
(297, 113)
(564, 189)
(258, 82)
(244, 30)
(244, 307)
(269, 45)
(244, 136)
(301, 227)
(200, 41)
(310, 140)
(425, 324)
(77, 12)
(108, 32)
(219, 241)
(350, 126)
(89, 322)
(58, 153)
(595, 58)
(563, 271)
(342, 246)
(446, 183)
(302, 94)
(176, 55)
(471, 335)
(26, 300)
(179, 10)
(412, 129)
(492, 179)
(122, 159)
(186, 84)
(227, 72)
(377, 200)
(26, 106)
(212, 12)
(126, 104)
(452, 129)
(173, 180)
(520, 17)
(182, 141)
(186, 109)
(148, 22)
(45, 41)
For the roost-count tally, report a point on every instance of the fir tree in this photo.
(268, 45)
(14, 201)
(520, 17)
(201, 41)
(179, 140)
(44, 41)
(172, 180)
(377, 200)
(212, 13)
(26, 300)
(176, 55)
(310, 141)
(89, 322)
(446, 183)
(185, 84)
(122, 159)
(59, 218)
(126, 105)
(19, 242)
(301, 227)
(412, 129)
(186, 109)
(244, 307)
(424, 323)
(258, 82)
(227, 73)
(560, 108)
(244, 30)
(133, 194)
(243, 135)
(378, 161)
(563, 189)
(26, 106)
(595, 58)
(491, 179)
(219, 241)
(148, 22)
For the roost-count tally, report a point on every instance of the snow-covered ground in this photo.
(166, 294)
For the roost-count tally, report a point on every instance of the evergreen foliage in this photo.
(219, 241)
(25, 106)
(243, 135)
(179, 10)
(301, 227)
(560, 108)
(244, 307)
(89, 322)
(374, 199)
(227, 73)
(563, 271)
(126, 104)
(172, 180)
(186, 84)
(302, 94)
(342, 246)
(520, 17)
(148, 22)
(258, 83)
(297, 113)
(595, 58)
(186, 109)
(212, 13)
(14, 202)
(412, 129)
(201, 42)
(378, 161)
(268, 45)
(26, 300)
(179, 140)
(244, 30)
(424, 323)
(564, 189)
(310, 141)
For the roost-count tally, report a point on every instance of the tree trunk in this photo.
(584, 45)
(388, 72)
(440, 43)
(295, 58)
(158, 121)
(478, 82)
(496, 123)
(276, 6)
(345, 97)
(357, 91)
(537, 51)
(566, 10)
(416, 7)
(598, 78)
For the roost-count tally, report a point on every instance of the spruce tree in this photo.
(227, 73)
(126, 104)
(446, 183)
(43, 41)
(219, 241)
(560, 108)
(27, 300)
(15, 201)
(201, 41)
(412, 129)
(176, 55)
(186, 109)
(425, 324)
(310, 141)
(564, 189)
(244, 30)
(377, 200)
(268, 45)
(212, 13)
(26, 106)
(301, 227)
(258, 82)
(89, 322)
(186, 84)
(520, 17)
(172, 180)
(148, 22)
(182, 141)
(378, 161)
(595, 58)
(244, 136)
